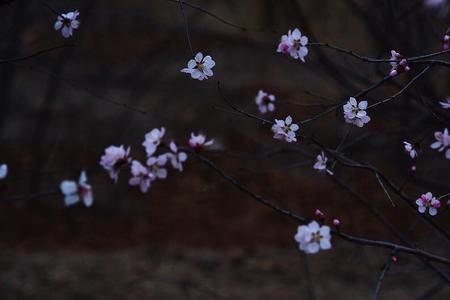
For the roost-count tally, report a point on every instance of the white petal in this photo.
(198, 57)
(362, 105)
(71, 199)
(68, 187)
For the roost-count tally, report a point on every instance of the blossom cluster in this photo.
(399, 64)
(159, 155)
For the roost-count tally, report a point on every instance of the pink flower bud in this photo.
(394, 258)
(393, 73)
(319, 214)
(336, 222)
(413, 168)
(446, 42)
(407, 69)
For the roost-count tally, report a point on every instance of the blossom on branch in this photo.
(198, 141)
(285, 130)
(153, 139)
(321, 163)
(398, 63)
(114, 159)
(176, 158)
(294, 44)
(411, 149)
(67, 23)
(427, 201)
(74, 191)
(442, 142)
(355, 113)
(200, 67)
(156, 165)
(3, 171)
(141, 176)
(313, 237)
(265, 102)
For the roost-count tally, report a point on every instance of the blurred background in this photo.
(193, 235)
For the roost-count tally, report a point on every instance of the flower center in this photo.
(200, 67)
(317, 236)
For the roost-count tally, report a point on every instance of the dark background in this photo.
(194, 236)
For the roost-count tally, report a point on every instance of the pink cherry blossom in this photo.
(427, 201)
(265, 102)
(114, 159)
(74, 191)
(176, 158)
(313, 237)
(321, 163)
(336, 222)
(355, 113)
(198, 141)
(442, 142)
(285, 130)
(157, 165)
(153, 139)
(294, 44)
(67, 23)
(200, 67)
(141, 176)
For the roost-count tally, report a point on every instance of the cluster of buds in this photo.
(399, 64)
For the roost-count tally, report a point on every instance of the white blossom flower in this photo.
(176, 158)
(153, 140)
(321, 163)
(67, 23)
(412, 149)
(141, 176)
(198, 141)
(445, 104)
(74, 191)
(442, 142)
(265, 102)
(3, 171)
(355, 113)
(285, 130)
(294, 44)
(156, 165)
(313, 237)
(398, 63)
(114, 159)
(427, 201)
(200, 67)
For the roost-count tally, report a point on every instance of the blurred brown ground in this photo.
(193, 236)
